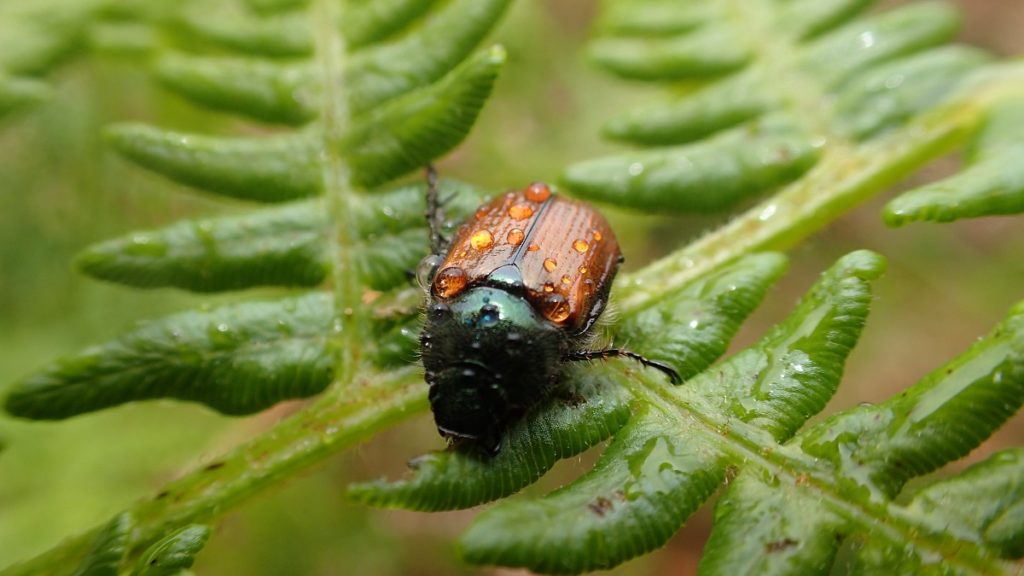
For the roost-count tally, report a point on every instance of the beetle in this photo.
(511, 298)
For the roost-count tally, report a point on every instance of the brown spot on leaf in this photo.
(779, 545)
(600, 506)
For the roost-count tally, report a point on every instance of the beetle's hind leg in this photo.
(435, 213)
(669, 371)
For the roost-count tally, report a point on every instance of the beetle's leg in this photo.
(435, 214)
(579, 355)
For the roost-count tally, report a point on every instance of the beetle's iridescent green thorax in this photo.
(488, 357)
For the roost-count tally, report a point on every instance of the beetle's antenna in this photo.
(435, 213)
(579, 355)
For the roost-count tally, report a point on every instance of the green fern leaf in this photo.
(17, 93)
(173, 555)
(995, 519)
(229, 25)
(108, 549)
(395, 138)
(236, 359)
(992, 184)
(284, 245)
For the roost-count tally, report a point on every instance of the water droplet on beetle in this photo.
(450, 281)
(549, 287)
(426, 270)
(537, 192)
(520, 212)
(532, 248)
(550, 264)
(566, 280)
(597, 236)
(515, 236)
(580, 246)
(481, 240)
(556, 308)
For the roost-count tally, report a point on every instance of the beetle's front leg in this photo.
(669, 371)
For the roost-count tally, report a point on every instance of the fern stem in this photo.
(310, 436)
(350, 321)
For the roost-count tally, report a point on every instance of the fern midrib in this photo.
(887, 521)
(350, 319)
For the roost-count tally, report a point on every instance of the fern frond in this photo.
(809, 99)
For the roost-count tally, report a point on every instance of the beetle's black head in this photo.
(488, 356)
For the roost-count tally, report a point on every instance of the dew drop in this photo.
(426, 269)
(537, 192)
(520, 212)
(636, 169)
(550, 264)
(556, 308)
(566, 280)
(515, 236)
(481, 240)
(450, 281)
(583, 269)
(597, 236)
(580, 246)
(549, 287)
(532, 248)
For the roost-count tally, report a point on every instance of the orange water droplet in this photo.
(463, 253)
(549, 287)
(566, 280)
(537, 192)
(532, 248)
(583, 269)
(550, 264)
(481, 239)
(520, 212)
(450, 281)
(515, 236)
(580, 246)
(597, 236)
(556, 308)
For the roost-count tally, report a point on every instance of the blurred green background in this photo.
(60, 190)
